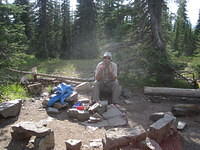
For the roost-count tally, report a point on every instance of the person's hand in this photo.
(101, 67)
(110, 68)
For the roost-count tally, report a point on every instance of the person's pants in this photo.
(107, 86)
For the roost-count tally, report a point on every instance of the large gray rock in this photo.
(52, 110)
(118, 137)
(156, 116)
(60, 106)
(84, 87)
(10, 108)
(100, 107)
(161, 128)
(35, 88)
(45, 143)
(81, 115)
(73, 97)
(29, 129)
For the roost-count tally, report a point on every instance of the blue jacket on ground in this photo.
(62, 91)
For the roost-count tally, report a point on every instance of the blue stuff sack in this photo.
(62, 92)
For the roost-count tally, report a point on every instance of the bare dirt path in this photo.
(138, 112)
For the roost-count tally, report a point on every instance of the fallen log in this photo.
(52, 76)
(53, 80)
(164, 91)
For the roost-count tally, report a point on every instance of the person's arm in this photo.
(99, 72)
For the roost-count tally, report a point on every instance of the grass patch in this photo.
(181, 84)
(189, 64)
(12, 91)
(195, 66)
(72, 68)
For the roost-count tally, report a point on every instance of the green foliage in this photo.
(132, 80)
(180, 62)
(47, 29)
(185, 63)
(11, 92)
(180, 84)
(197, 36)
(66, 33)
(184, 38)
(84, 41)
(13, 39)
(195, 66)
(114, 19)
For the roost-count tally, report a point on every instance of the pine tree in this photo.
(25, 17)
(84, 41)
(54, 28)
(183, 42)
(197, 35)
(41, 32)
(13, 41)
(66, 30)
(113, 18)
(150, 38)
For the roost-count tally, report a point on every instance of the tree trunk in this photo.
(155, 10)
(163, 91)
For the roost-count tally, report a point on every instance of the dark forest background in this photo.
(149, 43)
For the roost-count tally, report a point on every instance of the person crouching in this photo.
(106, 79)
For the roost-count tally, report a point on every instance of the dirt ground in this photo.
(138, 113)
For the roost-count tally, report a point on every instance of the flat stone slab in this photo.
(163, 122)
(30, 128)
(158, 115)
(10, 108)
(112, 111)
(118, 137)
(113, 117)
